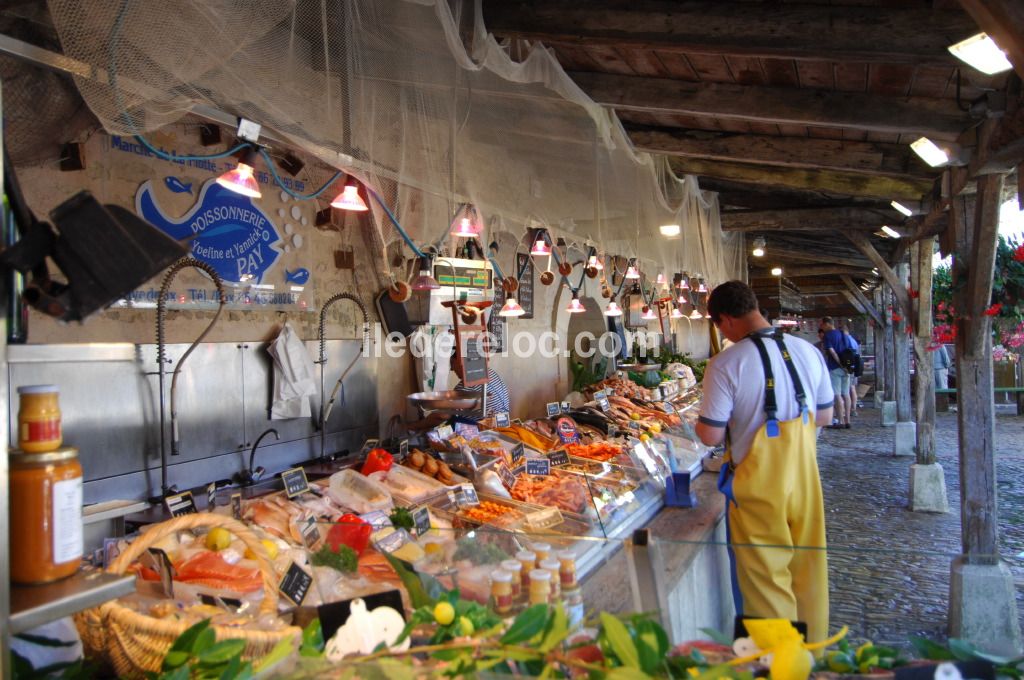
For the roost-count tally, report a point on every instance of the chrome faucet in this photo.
(253, 475)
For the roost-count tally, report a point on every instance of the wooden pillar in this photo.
(924, 377)
(973, 268)
(901, 355)
(890, 374)
(879, 337)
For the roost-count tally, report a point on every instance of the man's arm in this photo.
(823, 417)
(711, 435)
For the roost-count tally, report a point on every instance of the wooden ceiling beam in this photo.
(934, 118)
(775, 251)
(913, 35)
(829, 181)
(809, 219)
(813, 270)
(791, 152)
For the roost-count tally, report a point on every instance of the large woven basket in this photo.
(135, 643)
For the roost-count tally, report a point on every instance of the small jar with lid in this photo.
(46, 515)
(515, 568)
(567, 569)
(501, 591)
(540, 586)
(552, 566)
(541, 550)
(529, 561)
(39, 426)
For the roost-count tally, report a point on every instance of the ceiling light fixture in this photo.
(242, 178)
(902, 208)
(759, 245)
(695, 314)
(595, 262)
(648, 314)
(349, 198)
(929, 152)
(613, 309)
(981, 52)
(575, 306)
(676, 314)
(425, 281)
(890, 232)
(776, 271)
(702, 288)
(466, 223)
(631, 272)
(511, 308)
(685, 283)
(660, 280)
(669, 230)
(540, 245)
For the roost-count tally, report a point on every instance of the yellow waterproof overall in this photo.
(776, 517)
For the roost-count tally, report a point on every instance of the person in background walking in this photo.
(835, 343)
(856, 373)
(941, 364)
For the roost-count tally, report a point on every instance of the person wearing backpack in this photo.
(853, 365)
(835, 343)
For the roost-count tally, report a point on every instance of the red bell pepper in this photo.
(376, 461)
(352, 531)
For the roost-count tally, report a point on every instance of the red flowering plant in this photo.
(1006, 307)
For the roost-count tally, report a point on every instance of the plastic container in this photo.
(540, 586)
(46, 515)
(501, 591)
(363, 494)
(567, 569)
(542, 550)
(515, 568)
(39, 427)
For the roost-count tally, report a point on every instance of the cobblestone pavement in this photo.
(889, 567)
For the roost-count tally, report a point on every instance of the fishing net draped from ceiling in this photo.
(417, 99)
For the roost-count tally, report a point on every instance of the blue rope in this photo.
(394, 221)
(301, 197)
(160, 153)
(497, 269)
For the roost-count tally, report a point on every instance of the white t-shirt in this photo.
(734, 388)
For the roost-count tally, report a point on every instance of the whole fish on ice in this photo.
(177, 186)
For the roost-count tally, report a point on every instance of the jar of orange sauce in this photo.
(39, 428)
(46, 515)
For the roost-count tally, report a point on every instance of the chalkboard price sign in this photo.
(517, 453)
(474, 360)
(524, 264)
(538, 466)
(181, 504)
(496, 324)
(421, 520)
(295, 482)
(295, 584)
(236, 505)
(558, 458)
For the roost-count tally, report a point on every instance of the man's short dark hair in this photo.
(733, 298)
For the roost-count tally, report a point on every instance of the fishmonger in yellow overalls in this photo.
(776, 516)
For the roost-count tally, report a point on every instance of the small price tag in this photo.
(516, 454)
(538, 466)
(507, 477)
(501, 420)
(467, 430)
(310, 533)
(445, 432)
(553, 409)
(368, 445)
(467, 496)
(558, 458)
(403, 449)
(613, 430)
(518, 470)
(566, 406)
(236, 506)
(295, 584)
(602, 400)
(161, 564)
(377, 519)
(421, 520)
(181, 504)
(211, 496)
(453, 497)
(295, 482)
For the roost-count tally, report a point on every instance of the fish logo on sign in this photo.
(227, 231)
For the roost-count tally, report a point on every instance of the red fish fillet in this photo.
(210, 569)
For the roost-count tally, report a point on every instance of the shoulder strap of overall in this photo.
(798, 386)
(770, 404)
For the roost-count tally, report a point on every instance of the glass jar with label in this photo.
(515, 568)
(541, 550)
(540, 587)
(552, 566)
(529, 560)
(567, 569)
(39, 426)
(46, 515)
(501, 591)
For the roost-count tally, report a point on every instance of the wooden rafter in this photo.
(814, 270)
(935, 118)
(791, 152)
(858, 294)
(808, 219)
(899, 289)
(915, 35)
(848, 184)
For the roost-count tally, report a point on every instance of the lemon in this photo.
(656, 428)
(444, 613)
(791, 661)
(268, 545)
(218, 539)
(634, 416)
(466, 626)
(433, 548)
(645, 437)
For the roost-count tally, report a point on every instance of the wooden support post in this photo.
(880, 338)
(975, 260)
(890, 355)
(901, 352)
(924, 377)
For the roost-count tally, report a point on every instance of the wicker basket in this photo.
(135, 643)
